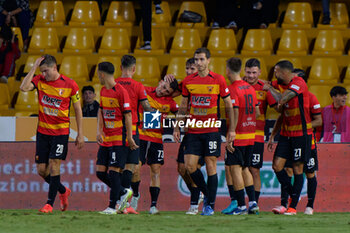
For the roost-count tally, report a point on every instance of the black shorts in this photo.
(257, 157)
(206, 144)
(241, 156)
(133, 155)
(296, 149)
(50, 147)
(181, 153)
(312, 164)
(151, 152)
(114, 156)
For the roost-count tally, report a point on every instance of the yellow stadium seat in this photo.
(13, 86)
(50, 14)
(339, 17)
(115, 41)
(222, 42)
(25, 113)
(79, 41)
(161, 20)
(324, 71)
(147, 69)
(29, 64)
(347, 76)
(112, 59)
(218, 65)
(185, 42)
(293, 43)
(44, 40)
(120, 14)
(322, 93)
(298, 15)
(17, 31)
(328, 42)
(257, 42)
(177, 67)
(271, 114)
(27, 101)
(158, 43)
(5, 100)
(75, 67)
(264, 74)
(197, 7)
(85, 14)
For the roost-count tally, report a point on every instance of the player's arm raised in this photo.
(233, 119)
(179, 117)
(79, 141)
(286, 96)
(27, 84)
(146, 106)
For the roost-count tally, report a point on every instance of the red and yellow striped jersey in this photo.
(165, 105)
(203, 94)
(54, 102)
(114, 103)
(244, 98)
(315, 109)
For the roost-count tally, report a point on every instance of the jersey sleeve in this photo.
(314, 105)
(224, 91)
(173, 106)
(270, 100)
(124, 100)
(185, 92)
(297, 85)
(179, 86)
(36, 80)
(142, 92)
(75, 92)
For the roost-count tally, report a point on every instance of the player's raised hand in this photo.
(37, 62)
(132, 144)
(79, 141)
(176, 134)
(169, 78)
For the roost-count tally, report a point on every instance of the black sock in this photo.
(297, 187)
(61, 188)
(103, 176)
(126, 179)
(195, 195)
(311, 191)
(257, 195)
(198, 179)
(114, 178)
(212, 188)
(232, 192)
(154, 195)
(135, 188)
(250, 192)
(284, 194)
(284, 180)
(53, 188)
(240, 197)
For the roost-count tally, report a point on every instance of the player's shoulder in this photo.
(216, 76)
(299, 80)
(149, 89)
(190, 77)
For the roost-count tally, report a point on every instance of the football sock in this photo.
(240, 197)
(53, 188)
(311, 191)
(297, 187)
(284, 194)
(212, 188)
(126, 178)
(115, 188)
(135, 188)
(198, 179)
(194, 195)
(154, 195)
(61, 188)
(284, 180)
(103, 176)
(250, 192)
(232, 192)
(257, 195)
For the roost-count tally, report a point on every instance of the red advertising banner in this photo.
(22, 188)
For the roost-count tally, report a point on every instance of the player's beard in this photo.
(280, 81)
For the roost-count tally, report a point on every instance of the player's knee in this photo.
(181, 169)
(276, 167)
(310, 175)
(190, 168)
(42, 173)
(255, 171)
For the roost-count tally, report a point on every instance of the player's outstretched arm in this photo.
(287, 95)
(27, 84)
(275, 93)
(180, 116)
(79, 141)
(233, 119)
(316, 121)
(146, 106)
(275, 130)
(128, 125)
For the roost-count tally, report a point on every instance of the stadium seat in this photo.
(257, 43)
(25, 113)
(328, 42)
(5, 100)
(197, 7)
(29, 64)
(324, 71)
(177, 67)
(161, 20)
(44, 40)
(271, 114)
(264, 74)
(222, 42)
(112, 59)
(347, 76)
(79, 41)
(298, 15)
(50, 14)
(147, 70)
(322, 93)
(158, 43)
(293, 43)
(13, 86)
(339, 17)
(17, 31)
(185, 42)
(75, 67)
(120, 14)
(218, 65)
(115, 41)
(27, 101)
(85, 14)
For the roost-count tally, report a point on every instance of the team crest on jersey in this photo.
(164, 108)
(60, 91)
(260, 95)
(210, 88)
(111, 102)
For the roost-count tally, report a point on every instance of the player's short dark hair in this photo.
(88, 88)
(301, 73)
(106, 67)
(338, 90)
(190, 61)
(128, 61)
(49, 60)
(285, 65)
(234, 64)
(203, 50)
(173, 84)
(252, 62)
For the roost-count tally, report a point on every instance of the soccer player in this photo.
(55, 92)
(114, 118)
(295, 138)
(203, 89)
(237, 163)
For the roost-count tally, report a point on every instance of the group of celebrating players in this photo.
(124, 145)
